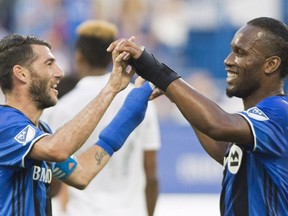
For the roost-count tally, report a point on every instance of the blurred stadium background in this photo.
(191, 36)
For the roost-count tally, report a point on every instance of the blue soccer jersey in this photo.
(256, 177)
(25, 183)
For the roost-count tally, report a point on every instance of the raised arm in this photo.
(111, 139)
(70, 137)
(203, 114)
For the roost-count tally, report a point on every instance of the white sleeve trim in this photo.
(30, 147)
(252, 128)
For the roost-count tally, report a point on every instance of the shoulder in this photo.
(10, 114)
(274, 101)
(271, 109)
(15, 125)
(45, 127)
(275, 106)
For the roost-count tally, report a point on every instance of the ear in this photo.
(272, 64)
(20, 73)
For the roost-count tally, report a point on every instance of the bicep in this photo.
(235, 129)
(216, 149)
(47, 149)
(207, 117)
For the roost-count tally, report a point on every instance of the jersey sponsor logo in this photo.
(234, 159)
(257, 114)
(42, 174)
(26, 135)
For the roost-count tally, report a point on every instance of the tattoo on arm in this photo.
(99, 156)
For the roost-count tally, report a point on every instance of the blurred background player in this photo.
(129, 183)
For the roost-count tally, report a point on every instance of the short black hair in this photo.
(93, 38)
(276, 39)
(16, 49)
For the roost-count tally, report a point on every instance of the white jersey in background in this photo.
(119, 189)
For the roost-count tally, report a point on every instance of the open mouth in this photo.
(231, 76)
(54, 88)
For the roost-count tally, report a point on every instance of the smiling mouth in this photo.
(54, 88)
(231, 76)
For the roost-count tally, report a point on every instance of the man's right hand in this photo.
(120, 76)
(145, 64)
(129, 46)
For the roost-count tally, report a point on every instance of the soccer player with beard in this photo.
(252, 145)
(29, 154)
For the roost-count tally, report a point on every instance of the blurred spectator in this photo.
(47, 20)
(6, 16)
(169, 22)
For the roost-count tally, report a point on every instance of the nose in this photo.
(230, 59)
(59, 72)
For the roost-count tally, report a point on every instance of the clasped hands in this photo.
(125, 49)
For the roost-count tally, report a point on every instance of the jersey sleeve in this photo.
(17, 139)
(268, 129)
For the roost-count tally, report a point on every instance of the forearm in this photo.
(151, 197)
(202, 113)
(113, 136)
(90, 163)
(152, 187)
(70, 137)
(76, 132)
(130, 115)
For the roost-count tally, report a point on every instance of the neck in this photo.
(27, 107)
(255, 98)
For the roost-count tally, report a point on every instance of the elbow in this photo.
(81, 184)
(152, 178)
(152, 185)
(60, 157)
(216, 132)
(81, 181)
(57, 155)
(152, 182)
(215, 135)
(78, 183)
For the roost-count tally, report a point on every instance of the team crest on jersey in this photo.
(257, 114)
(234, 159)
(26, 135)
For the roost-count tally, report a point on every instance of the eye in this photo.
(49, 63)
(239, 52)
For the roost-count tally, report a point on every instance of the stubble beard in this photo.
(243, 92)
(39, 92)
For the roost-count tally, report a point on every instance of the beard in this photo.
(39, 92)
(245, 90)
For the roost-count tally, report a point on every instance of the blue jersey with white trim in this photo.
(24, 182)
(256, 176)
